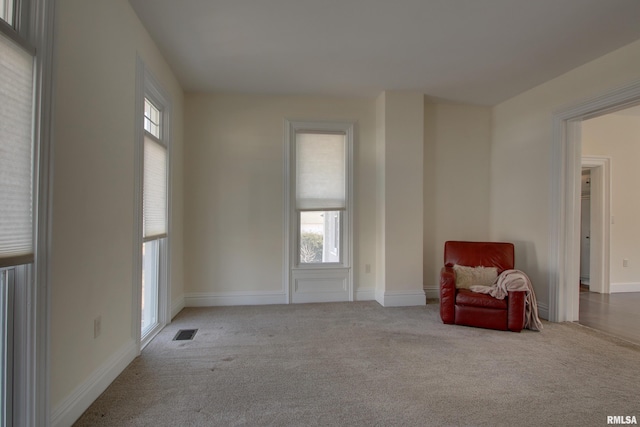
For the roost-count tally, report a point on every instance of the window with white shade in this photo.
(155, 181)
(321, 194)
(319, 182)
(320, 171)
(25, 83)
(16, 161)
(154, 216)
(153, 154)
(319, 211)
(16, 199)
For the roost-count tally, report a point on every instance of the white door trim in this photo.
(564, 250)
(599, 260)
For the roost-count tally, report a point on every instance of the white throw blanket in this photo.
(515, 280)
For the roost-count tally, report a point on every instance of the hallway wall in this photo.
(618, 136)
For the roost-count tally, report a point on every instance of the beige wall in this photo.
(618, 136)
(234, 185)
(456, 181)
(521, 156)
(93, 214)
(234, 196)
(399, 145)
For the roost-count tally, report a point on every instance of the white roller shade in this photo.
(320, 171)
(154, 189)
(16, 154)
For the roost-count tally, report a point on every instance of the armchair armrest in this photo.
(516, 310)
(447, 295)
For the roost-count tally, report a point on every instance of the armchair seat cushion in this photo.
(472, 299)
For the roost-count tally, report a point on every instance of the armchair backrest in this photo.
(475, 254)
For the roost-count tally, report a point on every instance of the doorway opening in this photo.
(564, 253)
(611, 304)
(594, 218)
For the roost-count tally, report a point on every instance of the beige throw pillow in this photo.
(472, 276)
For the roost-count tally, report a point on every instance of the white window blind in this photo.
(154, 208)
(16, 154)
(320, 171)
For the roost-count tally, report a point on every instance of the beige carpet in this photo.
(359, 364)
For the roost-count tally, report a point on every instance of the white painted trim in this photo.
(137, 205)
(564, 246)
(543, 311)
(432, 292)
(72, 407)
(34, 391)
(600, 205)
(365, 294)
(380, 296)
(290, 213)
(148, 86)
(625, 287)
(286, 208)
(402, 298)
(177, 306)
(153, 89)
(214, 299)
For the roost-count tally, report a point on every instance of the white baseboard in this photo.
(214, 299)
(177, 306)
(74, 405)
(432, 292)
(543, 311)
(401, 298)
(365, 294)
(624, 287)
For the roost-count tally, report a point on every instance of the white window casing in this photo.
(319, 211)
(26, 34)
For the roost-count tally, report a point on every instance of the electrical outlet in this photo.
(367, 268)
(625, 262)
(97, 326)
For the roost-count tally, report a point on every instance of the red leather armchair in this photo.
(463, 307)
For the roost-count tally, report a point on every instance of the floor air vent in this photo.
(185, 334)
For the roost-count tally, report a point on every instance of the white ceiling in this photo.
(475, 51)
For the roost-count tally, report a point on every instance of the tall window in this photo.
(24, 71)
(154, 216)
(153, 179)
(321, 194)
(319, 211)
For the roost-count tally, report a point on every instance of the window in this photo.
(154, 215)
(151, 118)
(152, 178)
(319, 211)
(25, 82)
(321, 192)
